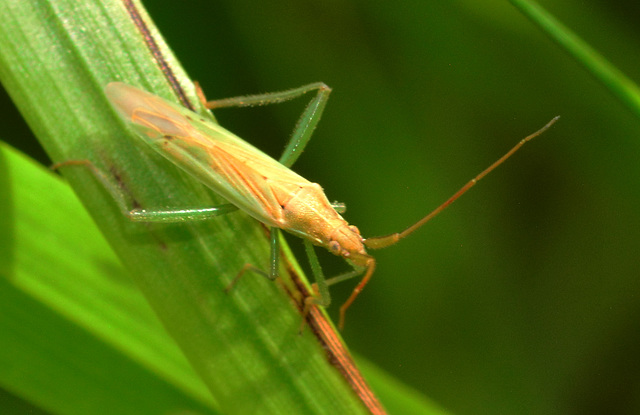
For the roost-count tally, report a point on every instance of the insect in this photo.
(259, 185)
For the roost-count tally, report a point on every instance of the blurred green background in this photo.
(523, 297)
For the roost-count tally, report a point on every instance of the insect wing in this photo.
(239, 172)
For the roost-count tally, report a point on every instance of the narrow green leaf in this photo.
(77, 297)
(55, 58)
(72, 322)
(617, 82)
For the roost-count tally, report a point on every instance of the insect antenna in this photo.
(370, 267)
(378, 242)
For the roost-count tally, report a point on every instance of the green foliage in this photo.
(522, 297)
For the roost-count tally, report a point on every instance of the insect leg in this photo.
(323, 298)
(274, 237)
(274, 260)
(306, 123)
(320, 295)
(321, 287)
(146, 215)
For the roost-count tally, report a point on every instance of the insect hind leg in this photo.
(305, 125)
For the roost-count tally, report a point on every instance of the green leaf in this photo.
(55, 59)
(74, 314)
(611, 77)
(77, 335)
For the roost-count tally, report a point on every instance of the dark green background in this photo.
(524, 296)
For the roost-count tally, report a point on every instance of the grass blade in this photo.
(72, 322)
(244, 346)
(617, 82)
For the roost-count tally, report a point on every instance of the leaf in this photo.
(245, 346)
(611, 77)
(78, 337)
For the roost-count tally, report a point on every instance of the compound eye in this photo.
(334, 247)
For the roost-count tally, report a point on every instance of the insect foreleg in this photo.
(320, 295)
(321, 286)
(370, 267)
(305, 125)
(146, 215)
(323, 298)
